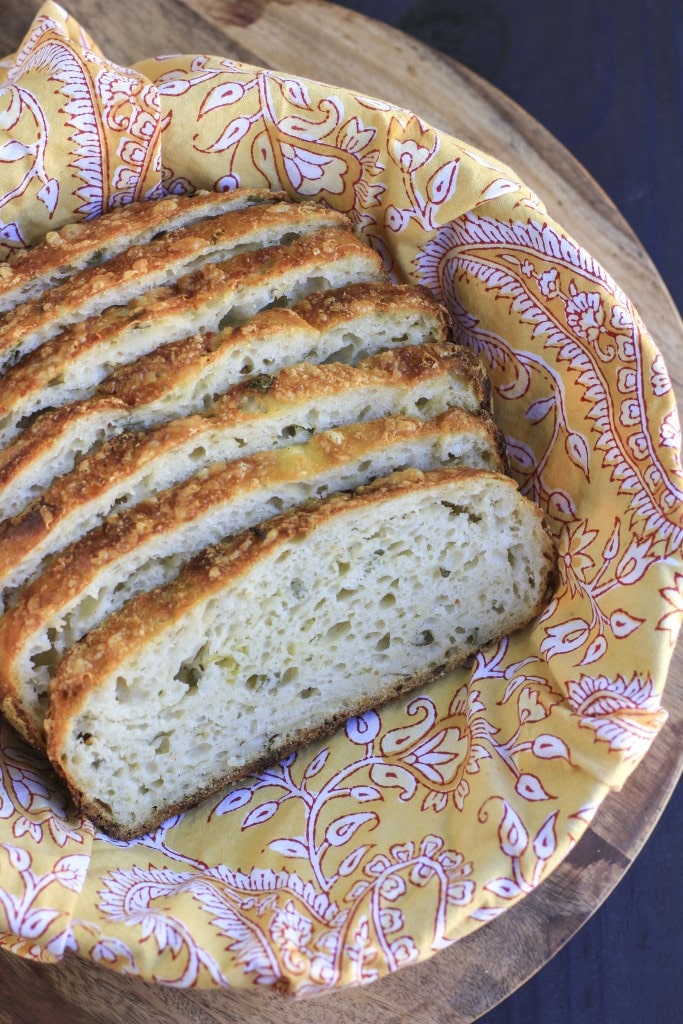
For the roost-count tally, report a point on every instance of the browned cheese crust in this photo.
(37, 369)
(37, 438)
(152, 375)
(139, 262)
(161, 372)
(121, 455)
(74, 246)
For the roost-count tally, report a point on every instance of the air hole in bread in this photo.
(123, 691)
(256, 681)
(309, 691)
(424, 638)
(280, 303)
(45, 659)
(296, 431)
(338, 630)
(162, 745)
(383, 643)
(462, 510)
(349, 352)
(229, 319)
(317, 284)
(190, 671)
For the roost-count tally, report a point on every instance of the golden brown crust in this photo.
(404, 365)
(15, 713)
(163, 371)
(145, 618)
(327, 309)
(80, 244)
(36, 441)
(122, 455)
(139, 262)
(36, 370)
(158, 371)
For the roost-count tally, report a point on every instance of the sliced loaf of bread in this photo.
(138, 549)
(266, 412)
(186, 377)
(359, 598)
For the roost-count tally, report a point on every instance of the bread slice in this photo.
(141, 268)
(147, 545)
(69, 368)
(30, 273)
(345, 324)
(360, 598)
(267, 412)
(185, 377)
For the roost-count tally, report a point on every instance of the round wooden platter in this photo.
(328, 43)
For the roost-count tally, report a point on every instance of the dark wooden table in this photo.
(604, 82)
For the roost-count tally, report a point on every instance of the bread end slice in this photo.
(360, 597)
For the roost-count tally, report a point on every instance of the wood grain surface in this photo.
(321, 41)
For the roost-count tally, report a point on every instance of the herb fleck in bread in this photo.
(359, 598)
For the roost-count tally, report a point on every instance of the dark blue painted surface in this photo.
(606, 78)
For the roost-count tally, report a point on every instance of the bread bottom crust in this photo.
(92, 809)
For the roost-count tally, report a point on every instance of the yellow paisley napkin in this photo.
(417, 823)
